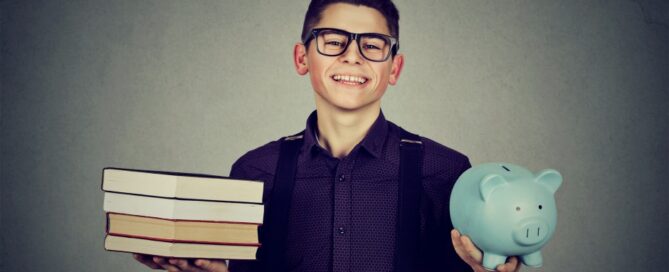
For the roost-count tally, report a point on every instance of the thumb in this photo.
(212, 265)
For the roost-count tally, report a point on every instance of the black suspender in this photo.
(275, 226)
(408, 202)
(275, 220)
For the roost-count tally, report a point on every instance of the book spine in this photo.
(182, 220)
(183, 209)
(176, 241)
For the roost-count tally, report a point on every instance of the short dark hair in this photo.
(385, 7)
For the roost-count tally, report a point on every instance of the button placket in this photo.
(342, 216)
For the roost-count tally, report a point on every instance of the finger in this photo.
(471, 249)
(511, 265)
(146, 260)
(184, 265)
(165, 264)
(459, 247)
(159, 260)
(514, 264)
(212, 265)
(171, 268)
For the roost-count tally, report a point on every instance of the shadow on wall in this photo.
(655, 11)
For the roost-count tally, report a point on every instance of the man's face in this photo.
(367, 80)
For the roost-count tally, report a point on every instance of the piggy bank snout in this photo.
(530, 232)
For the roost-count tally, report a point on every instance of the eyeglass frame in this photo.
(394, 42)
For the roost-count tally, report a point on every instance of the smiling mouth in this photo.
(349, 79)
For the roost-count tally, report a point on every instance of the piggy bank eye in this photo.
(517, 208)
(540, 206)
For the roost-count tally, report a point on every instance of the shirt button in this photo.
(341, 230)
(341, 178)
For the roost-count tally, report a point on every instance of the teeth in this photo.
(349, 79)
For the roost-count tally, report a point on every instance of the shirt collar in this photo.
(373, 141)
(310, 142)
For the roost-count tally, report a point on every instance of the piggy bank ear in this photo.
(550, 178)
(489, 183)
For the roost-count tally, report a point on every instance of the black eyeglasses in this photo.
(334, 42)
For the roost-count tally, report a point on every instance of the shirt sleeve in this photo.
(242, 169)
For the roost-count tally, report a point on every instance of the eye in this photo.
(540, 207)
(335, 43)
(371, 46)
(517, 208)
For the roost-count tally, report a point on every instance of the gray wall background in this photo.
(579, 86)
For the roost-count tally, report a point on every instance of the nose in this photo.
(352, 54)
(530, 232)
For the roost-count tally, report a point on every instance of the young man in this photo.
(344, 201)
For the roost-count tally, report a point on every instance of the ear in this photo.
(300, 59)
(396, 69)
(489, 183)
(550, 178)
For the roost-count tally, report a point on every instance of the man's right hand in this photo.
(178, 264)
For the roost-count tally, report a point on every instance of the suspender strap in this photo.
(275, 222)
(410, 188)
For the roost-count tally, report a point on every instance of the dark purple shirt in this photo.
(343, 211)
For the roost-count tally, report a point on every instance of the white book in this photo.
(170, 208)
(180, 250)
(181, 185)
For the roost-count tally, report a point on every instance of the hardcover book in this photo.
(180, 250)
(170, 208)
(182, 231)
(181, 185)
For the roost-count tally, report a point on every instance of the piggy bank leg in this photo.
(491, 260)
(532, 259)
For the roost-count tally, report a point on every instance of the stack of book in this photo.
(181, 215)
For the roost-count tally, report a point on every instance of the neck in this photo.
(341, 130)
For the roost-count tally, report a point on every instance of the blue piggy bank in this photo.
(506, 210)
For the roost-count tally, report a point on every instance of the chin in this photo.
(353, 105)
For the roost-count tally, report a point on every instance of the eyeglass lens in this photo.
(334, 43)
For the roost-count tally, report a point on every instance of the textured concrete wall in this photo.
(579, 86)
